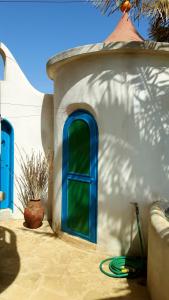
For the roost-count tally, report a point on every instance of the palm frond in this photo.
(139, 7)
(159, 28)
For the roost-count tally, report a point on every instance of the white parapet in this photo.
(158, 252)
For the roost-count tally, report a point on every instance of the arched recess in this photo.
(2, 66)
(7, 164)
(80, 176)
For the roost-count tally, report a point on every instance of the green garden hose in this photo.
(126, 266)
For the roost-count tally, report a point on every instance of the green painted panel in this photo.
(79, 147)
(78, 206)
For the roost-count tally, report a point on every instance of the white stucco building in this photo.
(106, 128)
(110, 110)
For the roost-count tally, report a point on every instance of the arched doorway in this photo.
(6, 164)
(79, 183)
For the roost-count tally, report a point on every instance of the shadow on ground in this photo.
(133, 289)
(10, 261)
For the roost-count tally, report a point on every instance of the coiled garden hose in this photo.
(126, 266)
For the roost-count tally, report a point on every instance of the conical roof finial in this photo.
(124, 31)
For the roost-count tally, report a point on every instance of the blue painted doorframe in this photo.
(70, 178)
(7, 164)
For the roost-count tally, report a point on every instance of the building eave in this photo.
(155, 48)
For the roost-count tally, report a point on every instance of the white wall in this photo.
(21, 105)
(128, 94)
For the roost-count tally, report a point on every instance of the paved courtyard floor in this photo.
(37, 265)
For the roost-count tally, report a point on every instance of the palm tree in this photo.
(159, 28)
(156, 10)
(139, 7)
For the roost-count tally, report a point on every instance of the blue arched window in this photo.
(79, 186)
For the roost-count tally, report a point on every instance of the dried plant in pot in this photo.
(32, 186)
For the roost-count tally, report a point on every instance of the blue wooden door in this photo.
(79, 189)
(6, 165)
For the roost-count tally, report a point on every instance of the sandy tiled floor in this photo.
(35, 264)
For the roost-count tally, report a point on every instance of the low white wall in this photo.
(158, 252)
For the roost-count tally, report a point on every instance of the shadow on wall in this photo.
(130, 95)
(134, 156)
(136, 145)
(10, 261)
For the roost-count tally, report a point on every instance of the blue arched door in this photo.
(79, 186)
(6, 164)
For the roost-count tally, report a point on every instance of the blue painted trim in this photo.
(92, 179)
(11, 170)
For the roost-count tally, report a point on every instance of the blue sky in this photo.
(35, 32)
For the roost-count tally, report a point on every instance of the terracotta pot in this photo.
(34, 213)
